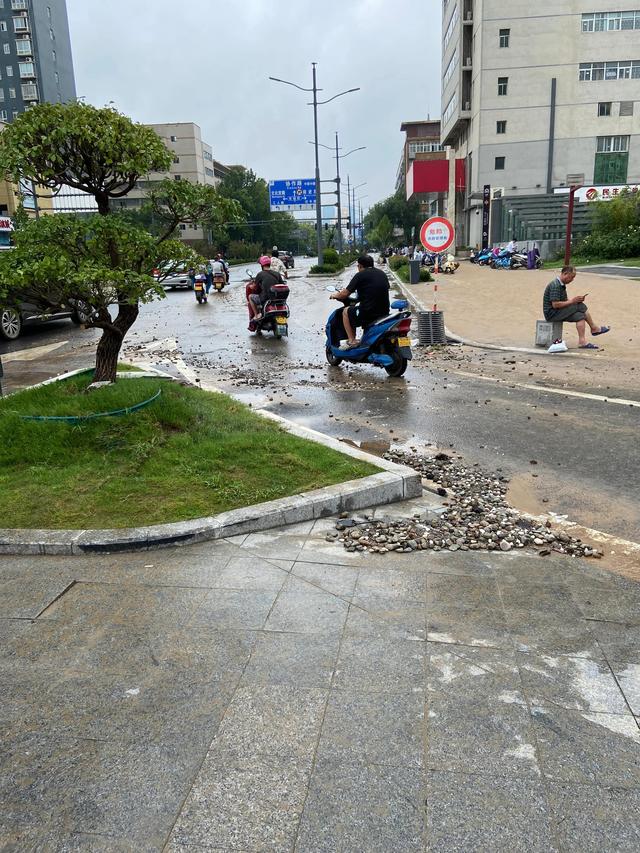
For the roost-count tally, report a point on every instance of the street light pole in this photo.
(315, 104)
(317, 151)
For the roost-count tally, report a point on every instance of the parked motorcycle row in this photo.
(506, 259)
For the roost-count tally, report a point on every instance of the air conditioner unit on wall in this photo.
(497, 192)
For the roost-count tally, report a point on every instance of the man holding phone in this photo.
(558, 307)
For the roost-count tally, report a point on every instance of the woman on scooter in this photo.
(265, 280)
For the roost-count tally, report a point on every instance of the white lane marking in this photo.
(32, 353)
(546, 389)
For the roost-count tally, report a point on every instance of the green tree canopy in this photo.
(399, 212)
(98, 151)
(252, 194)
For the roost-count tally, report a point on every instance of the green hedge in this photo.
(397, 261)
(403, 273)
(621, 243)
(326, 269)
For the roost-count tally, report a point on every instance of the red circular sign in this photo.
(592, 193)
(437, 234)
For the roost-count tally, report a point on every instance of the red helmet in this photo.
(264, 261)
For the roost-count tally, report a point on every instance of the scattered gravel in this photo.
(476, 517)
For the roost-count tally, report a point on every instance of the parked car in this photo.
(13, 320)
(287, 259)
(176, 279)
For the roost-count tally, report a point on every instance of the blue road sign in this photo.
(295, 194)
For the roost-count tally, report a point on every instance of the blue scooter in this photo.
(384, 343)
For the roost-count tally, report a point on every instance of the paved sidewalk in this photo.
(277, 693)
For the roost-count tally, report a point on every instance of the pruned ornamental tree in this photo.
(101, 264)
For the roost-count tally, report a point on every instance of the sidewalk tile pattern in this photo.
(275, 693)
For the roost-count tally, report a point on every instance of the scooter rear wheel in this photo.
(399, 364)
(334, 360)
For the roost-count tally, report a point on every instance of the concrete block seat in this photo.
(547, 331)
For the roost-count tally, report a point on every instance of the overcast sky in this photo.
(208, 61)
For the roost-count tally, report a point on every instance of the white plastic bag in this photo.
(558, 346)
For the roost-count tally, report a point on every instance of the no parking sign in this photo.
(437, 234)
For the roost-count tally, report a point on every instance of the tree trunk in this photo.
(111, 342)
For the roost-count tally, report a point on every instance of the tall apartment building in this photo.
(35, 55)
(192, 161)
(536, 98)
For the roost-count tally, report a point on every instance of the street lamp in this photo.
(315, 104)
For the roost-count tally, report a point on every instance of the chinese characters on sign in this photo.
(600, 193)
(294, 194)
(437, 234)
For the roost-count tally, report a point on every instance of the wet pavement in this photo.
(614, 269)
(586, 451)
(275, 692)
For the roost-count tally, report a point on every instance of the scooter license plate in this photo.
(404, 342)
(281, 321)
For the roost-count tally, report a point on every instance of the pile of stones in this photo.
(475, 517)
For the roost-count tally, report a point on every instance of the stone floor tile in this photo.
(255, 809)
(139, 607)
(610, 606)
(469, 814)
(547, 632)
(574, 683)
(529, 569)
(27, 597)
(301, 609)
(592, 819)
(118, 649)
(303, 660)
(338, 580)
(479, 627)
(628, 675)
(459, 672)
(274, 543)
(249, 573)
(379, 666)
(366, 728)
(230, 608)
(363, 808)
(461, 592)
(268, 726)
(154, 568)
(379, 617)
(98, 788)
(467, 563)
(587, 748)
(619, 641)
(395, 584)
(161, 706)
(479, 737)
(553, 598)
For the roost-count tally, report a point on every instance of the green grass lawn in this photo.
(189, 454)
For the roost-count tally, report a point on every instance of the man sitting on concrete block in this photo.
(558, 308)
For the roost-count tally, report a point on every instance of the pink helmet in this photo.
(264, 261)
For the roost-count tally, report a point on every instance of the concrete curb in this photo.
(394, 483)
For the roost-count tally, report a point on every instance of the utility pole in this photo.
(315, 104)
(318, 189)
(349, 213)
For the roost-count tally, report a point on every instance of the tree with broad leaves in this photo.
(103, 261)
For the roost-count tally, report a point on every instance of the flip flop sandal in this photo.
(603, 331)
(588, 346)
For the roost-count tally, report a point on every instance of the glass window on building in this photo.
(612, 160)
(501, 126)
(3, 115)
(503, 85)
(3, 26)
(21, 24)
(6, 48)
(18, 4)
(600, 22)
(9, 70)
(12, 92)
(27, 69)
(499, 163)
(23, 47)
(604, 108)
(504, 38)
(1, 94)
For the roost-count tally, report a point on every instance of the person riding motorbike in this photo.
(372, 287)
(224, 264)
(265, 280)
(277, 265)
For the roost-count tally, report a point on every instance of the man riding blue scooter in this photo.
(385, 342)
(372, 287)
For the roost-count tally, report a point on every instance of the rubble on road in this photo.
(475, 517)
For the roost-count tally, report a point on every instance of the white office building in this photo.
(536, 97)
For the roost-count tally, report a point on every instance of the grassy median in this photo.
(188, 454)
